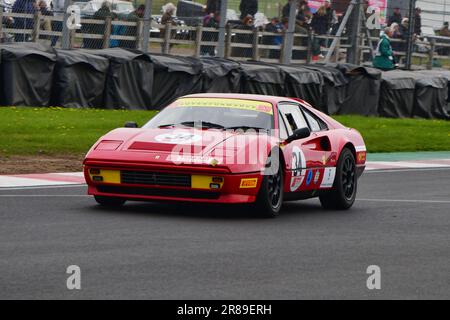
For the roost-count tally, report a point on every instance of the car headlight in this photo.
(108, 145)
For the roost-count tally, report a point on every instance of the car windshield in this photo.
(214, 113)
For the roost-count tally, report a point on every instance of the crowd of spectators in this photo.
(323, 21)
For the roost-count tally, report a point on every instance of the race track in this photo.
(401, 222)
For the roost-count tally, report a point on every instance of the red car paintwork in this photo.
(140, 152)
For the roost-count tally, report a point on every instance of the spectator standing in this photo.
(384, 59)
(167, 18)
(212, 20)
(248, 8)
(418, 22)
(444, 32)
(246, 24)
(404, 34)
(46, 24)
(276, 40)
(396, 34)
(286, 10)
(304, 12)
(331, 15)
(396, 17)
(212, 6)
(23, 6)
(319, 24)
(117, 30)
(58, 11)
(100, 14)
(134, 16)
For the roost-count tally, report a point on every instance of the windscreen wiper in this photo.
(247, 128)
(202, 124)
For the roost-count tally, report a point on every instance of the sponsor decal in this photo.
(191, 159)
(251, 105)
(309, 177)
(298, 162)
(360, 148)
(328, 178)
(178, 138)
(316, 177)
(324, 160)
(249, 183)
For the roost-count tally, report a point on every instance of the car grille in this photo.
(156, 178)
(188, 194)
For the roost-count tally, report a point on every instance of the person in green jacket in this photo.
(384, 59)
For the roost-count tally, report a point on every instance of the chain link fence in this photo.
(272, 31)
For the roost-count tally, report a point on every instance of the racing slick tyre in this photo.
(270, 196)
(109, 201)
(343, 194)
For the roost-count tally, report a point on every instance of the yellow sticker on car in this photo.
(251, 105)
(249, 183)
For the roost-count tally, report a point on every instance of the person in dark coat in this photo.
(248, 8)
(418, 22)
(23, 6)
(396, 17)
(286, 9)
(212, 6)
(100, 14)
(131, 30)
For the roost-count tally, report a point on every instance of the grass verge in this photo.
(71, 132)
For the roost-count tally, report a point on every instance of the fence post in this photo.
(222, 23)
(410, 40)
(147, 25)
(1, 21)
(167, 36)
(65, 36)
(228, 42)
(309, 47)
(73, 34)
(431, 54)
(198, 40)
(338, 50)
(36, 26)
(353, 52)
(107, 35)
(288, 42)
(255, 48)
(140, 43)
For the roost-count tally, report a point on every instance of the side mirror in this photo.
(131, 124)
(299, 134)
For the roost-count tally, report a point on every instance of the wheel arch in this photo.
(349, 146)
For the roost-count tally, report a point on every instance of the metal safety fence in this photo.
(186, 28)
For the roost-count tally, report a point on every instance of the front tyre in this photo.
(270, 197)
(343, 194)
(109, 201)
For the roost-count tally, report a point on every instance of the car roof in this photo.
(257, 97)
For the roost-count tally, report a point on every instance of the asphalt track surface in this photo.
(401, 222)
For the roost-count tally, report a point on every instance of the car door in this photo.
(306, 158)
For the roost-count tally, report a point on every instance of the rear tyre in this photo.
(109, 201)
(343, 194)
(270, 196)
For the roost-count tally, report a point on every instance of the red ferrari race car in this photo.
(229, 148)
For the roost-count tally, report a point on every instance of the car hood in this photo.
(183, 146)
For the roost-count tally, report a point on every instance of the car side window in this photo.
(315, 124)
(293, 117)
(282, 126)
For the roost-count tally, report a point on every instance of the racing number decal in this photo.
(298, 164)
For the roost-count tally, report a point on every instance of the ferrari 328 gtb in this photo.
(229, 148)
